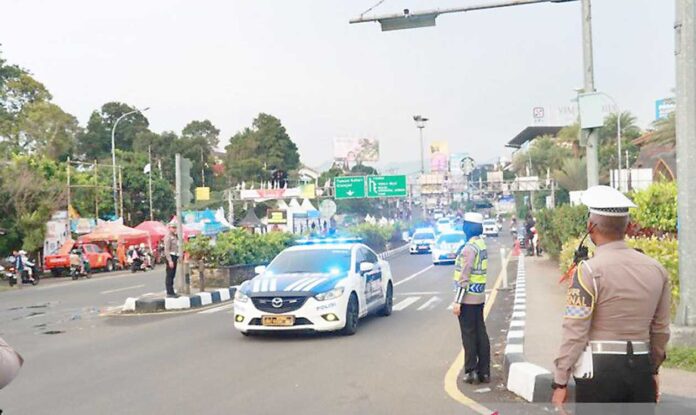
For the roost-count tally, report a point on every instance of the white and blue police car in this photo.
(316, 285)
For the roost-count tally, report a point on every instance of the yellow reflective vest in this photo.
(479, 269)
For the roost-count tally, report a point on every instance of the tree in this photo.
(544, 153)
(254, 152)
(95, 142)
(572, 175)
(45, 129)
(197, 143)
(665, 130)
(363, 170)
(629, 129)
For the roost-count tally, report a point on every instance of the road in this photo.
(195, 362)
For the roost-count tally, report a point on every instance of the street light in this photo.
(420, 124)
(618, 137)
(113, 154)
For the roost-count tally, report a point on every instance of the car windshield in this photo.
(489, 222)
(424, 236)
(451, 238)
(311, 261)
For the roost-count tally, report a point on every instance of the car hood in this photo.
(284, 284)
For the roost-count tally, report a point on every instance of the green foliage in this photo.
(556, 226)
(238, 247)
(572, 175)
(664, 250)
(656, 207)
(681, 358)
(665, 130)
(544, 153)
(95, 142)
(374, 236)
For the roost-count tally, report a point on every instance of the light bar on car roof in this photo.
(320, 241)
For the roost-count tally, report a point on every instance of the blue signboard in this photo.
(664, 107)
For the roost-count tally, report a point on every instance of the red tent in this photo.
(115, 232)
(157, 231)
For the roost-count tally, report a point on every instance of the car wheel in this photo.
(351, 316)
(388, 302)
(109, 265)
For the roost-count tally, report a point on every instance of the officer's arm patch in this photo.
(580, 300)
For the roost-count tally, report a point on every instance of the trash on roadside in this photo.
(482, 390)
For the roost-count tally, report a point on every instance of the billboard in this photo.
(356, 149)
(439, 156)
(664, 107)
(277, 217)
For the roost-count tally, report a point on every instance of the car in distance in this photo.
(490, 227)
(446, 247)
(422, 241)
(325, 286)
(443, 225)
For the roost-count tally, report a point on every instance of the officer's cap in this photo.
(473, 217)
(606, 201)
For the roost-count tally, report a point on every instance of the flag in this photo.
(146, 170)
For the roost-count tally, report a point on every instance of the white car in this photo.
(443, 225)
(422, 241)
(447, 246)
(490, 227)
(316, 287)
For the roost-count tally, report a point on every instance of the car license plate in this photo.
(422, 246)
(278, 320)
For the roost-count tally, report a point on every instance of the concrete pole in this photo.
(618, 149)
(179, 281)
(420, 128)
(149, 179)
(69, 193)
(588, 75)
(685, 42)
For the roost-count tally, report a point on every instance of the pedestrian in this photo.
(617, 315)
(10, 363)
(171, 253)
(470, 273)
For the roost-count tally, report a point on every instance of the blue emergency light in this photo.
(325, 241)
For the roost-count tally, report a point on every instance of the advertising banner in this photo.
(277, 217)
(356, 149)
(439, 156)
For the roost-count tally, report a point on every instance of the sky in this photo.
(476, 76)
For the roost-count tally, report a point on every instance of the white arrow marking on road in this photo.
(430, 304)
(122, 289)
(413, 276)
(405, 303)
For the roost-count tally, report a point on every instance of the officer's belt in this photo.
(619, 347)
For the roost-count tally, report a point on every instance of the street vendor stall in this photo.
(116, 238)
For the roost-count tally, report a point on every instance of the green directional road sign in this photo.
(386, 186)
(349, 187)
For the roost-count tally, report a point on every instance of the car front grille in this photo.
(290, 304)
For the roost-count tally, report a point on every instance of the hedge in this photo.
(664, 250)
(238, 247)
(656, 207)
(555, 226)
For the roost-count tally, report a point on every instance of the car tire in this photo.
(109, 265)
(386, 310)
(352, 316)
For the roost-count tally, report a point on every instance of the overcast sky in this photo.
(477, 75)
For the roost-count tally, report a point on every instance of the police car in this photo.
(324, 285)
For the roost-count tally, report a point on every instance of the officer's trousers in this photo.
(622, 384)
(170, 274)
(477, 346)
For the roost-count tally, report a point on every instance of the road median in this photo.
(157, 303)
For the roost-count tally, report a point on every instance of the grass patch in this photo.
(681, 358)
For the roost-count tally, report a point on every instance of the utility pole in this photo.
(588, 87)
(179, 282)
(69, 194)
(685, 43)
(149, 179)
(96, 191)
(230, 207)
(120, 191)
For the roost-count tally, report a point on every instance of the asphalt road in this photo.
(195, 362)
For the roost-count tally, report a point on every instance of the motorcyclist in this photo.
(144, 254)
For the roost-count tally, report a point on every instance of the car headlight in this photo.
(240, 296)
(330, 295)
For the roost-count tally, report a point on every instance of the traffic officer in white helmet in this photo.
(470, 274)
(616, 320)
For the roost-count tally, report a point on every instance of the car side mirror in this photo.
(366, 267)
(260, 269)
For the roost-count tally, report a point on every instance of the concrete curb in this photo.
(529, 381)
(391, 253)
(154, 305)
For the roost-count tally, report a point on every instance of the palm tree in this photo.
(629, 129)
(665, 130)
(572, 175)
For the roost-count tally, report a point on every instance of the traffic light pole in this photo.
(180, 282)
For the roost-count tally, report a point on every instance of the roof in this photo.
(250, 220)
(309, 247)
(532, 132)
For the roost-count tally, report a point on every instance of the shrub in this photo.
(238, 247)
(664, 250)
(656, 207)
(374, 236)
(557, 226)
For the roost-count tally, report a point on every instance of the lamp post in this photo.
(113, 155)
(420, 124)
(618, 138)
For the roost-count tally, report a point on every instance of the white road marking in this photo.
(122, 289)
(419, 293)
(413, 276)
(405, 303)
(216, 309)
(430, 304)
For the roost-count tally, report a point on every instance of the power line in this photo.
(372, 8)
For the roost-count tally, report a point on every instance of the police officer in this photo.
(617, 315)
(171, 253)
(470, 279)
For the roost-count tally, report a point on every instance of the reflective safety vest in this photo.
(479, 269)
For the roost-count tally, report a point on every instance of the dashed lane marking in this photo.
(122, 289)
(410, 277)
(430, 304)
(217, 309)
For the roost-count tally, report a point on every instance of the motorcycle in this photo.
(141, 262)
(77, 271)
(27, 273)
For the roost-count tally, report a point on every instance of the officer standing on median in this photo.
(171, 253)
(470, 278)
(617, 316)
